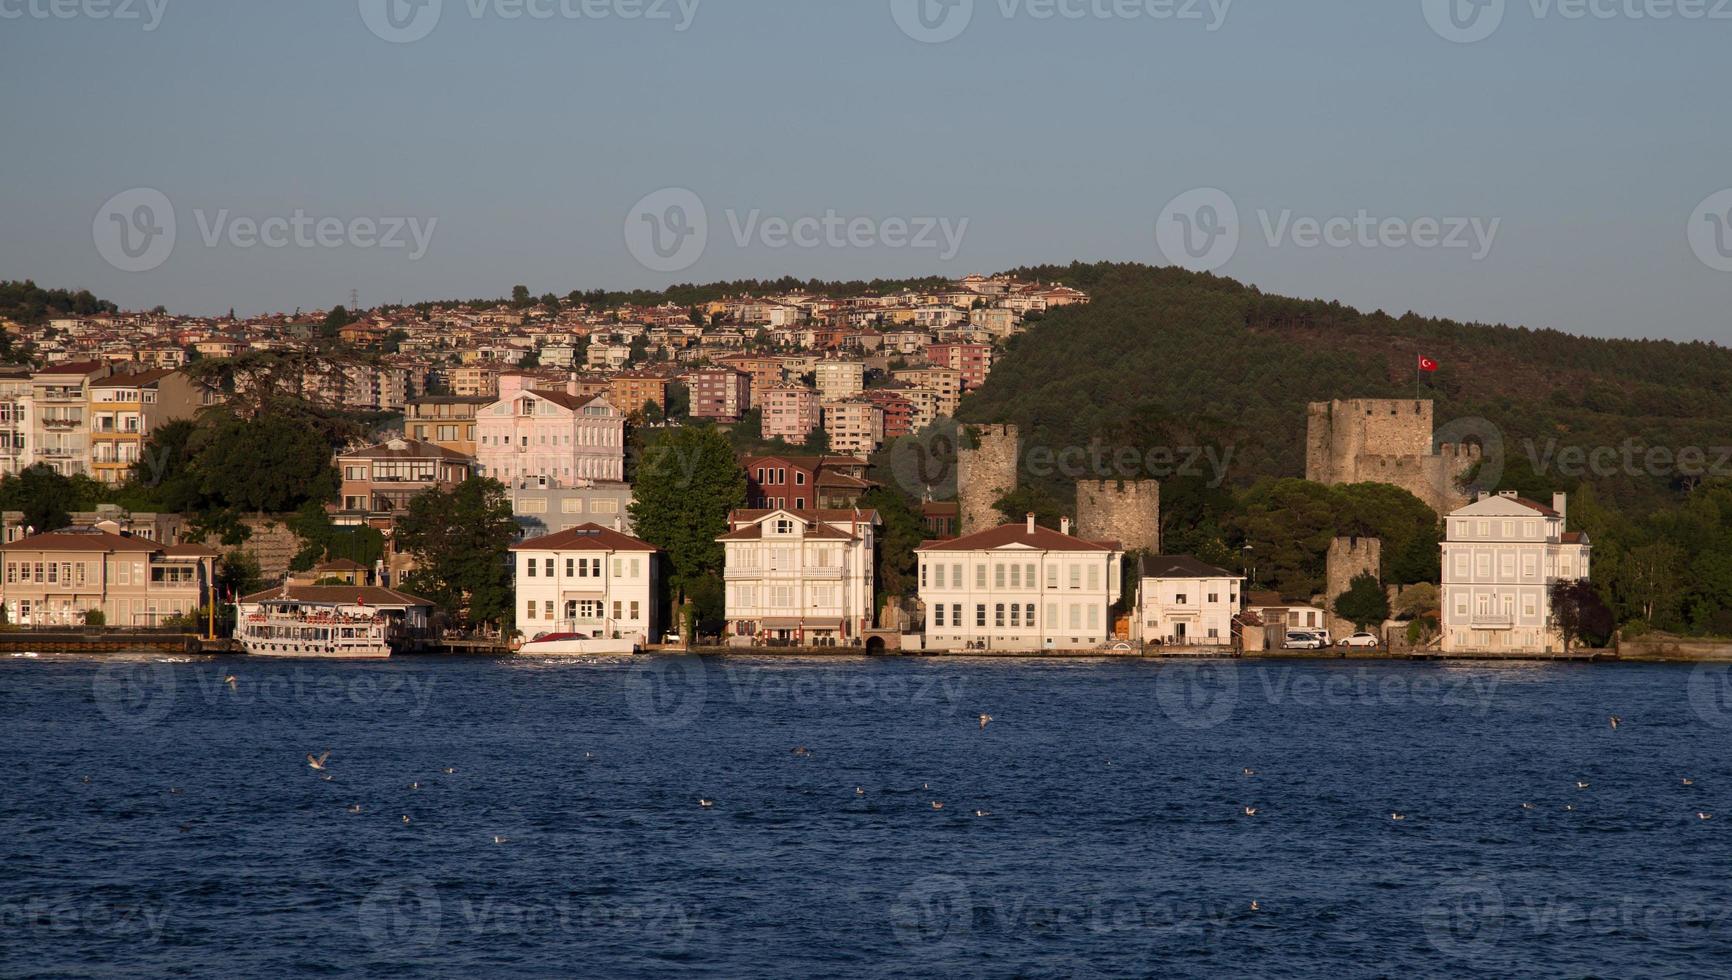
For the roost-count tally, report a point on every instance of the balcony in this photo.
(61, 425)
(1492, 621)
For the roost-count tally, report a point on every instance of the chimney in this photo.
(1064, 525)
(1560, 503)
(1031, 522)
(571, 384)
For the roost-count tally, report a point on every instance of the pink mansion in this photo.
(561, 437)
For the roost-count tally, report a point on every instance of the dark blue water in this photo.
(1116, 842)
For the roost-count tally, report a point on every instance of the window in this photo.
(980, 580)
(1075, 577)
(529, 610)
(529, 569)
(571, 568)
(1028, 615)
(956, 575)
(998, 578)
(547, 568)
(956, 614)
(1052, 576)
(938, 615)
(1179, 600)
(998, 616)
(938, 576)
(1016, 576)
(547, 608)
(1015, 616)
(634, 613)
(980, 615)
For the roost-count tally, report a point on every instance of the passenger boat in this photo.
(331, 622)
(576, 644)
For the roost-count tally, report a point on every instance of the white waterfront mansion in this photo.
(589, 581)
(1019, 587)
(1501, 555)
(1184, 602)
(799, 577)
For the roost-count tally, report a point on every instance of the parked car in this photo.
(1361, 640)
(1297, 640)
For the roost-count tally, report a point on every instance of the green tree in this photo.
(269, 464)
(1578, 613)
(1364, 604)
(1019, 503)
(47, 498)
(335, 321)
(520, 296)
(904, 530)
(687, 483)
(460, 541)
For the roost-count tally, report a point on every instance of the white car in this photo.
(1302, 641)
(1361, 640)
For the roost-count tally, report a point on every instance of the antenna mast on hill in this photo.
(354, 300)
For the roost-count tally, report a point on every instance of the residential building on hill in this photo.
(59, 578)
(444, 420)
(382, 479)
(1501, 555)
(855, 427)
(721, 394)
(1184, 602)
(789, 412)
(1019, 587)
(563, 439)
(127, 409)
(805, 482)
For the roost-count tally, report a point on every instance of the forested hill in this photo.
(1170, 357)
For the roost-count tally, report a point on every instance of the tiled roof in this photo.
(585, 537)
(1179, 566)
(82, 539)
(1006, 535)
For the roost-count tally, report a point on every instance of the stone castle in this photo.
(1127, 511)
(1348, 559)
(1373, 440)
(987, 460)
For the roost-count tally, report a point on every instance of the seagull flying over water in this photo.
(1250, 811)
(1616, 721)
(318, 762)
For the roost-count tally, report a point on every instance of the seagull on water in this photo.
(1581, 785)
(859, 791)
(802, 751)
(1398, 816)
(1527, 806)
(1687, 781)
(175, 791)
(937, 805)
(501, 840)
(1250, 811)
(405, 820)
(318, 762)
(706, 804)
(1569, 808)
(85, 779)
(983, 813)
(985, 720)
(1249, 771)
(1615, 721)
(1704, 816)
(415, 785)
(230, 681)
(1255, 907)
(449, 770)
(354, 808)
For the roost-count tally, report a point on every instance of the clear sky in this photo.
(525, 144)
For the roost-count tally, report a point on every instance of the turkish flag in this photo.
(1427, 365)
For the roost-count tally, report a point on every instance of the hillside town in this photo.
(554, 401)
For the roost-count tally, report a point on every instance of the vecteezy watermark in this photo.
(1482, 921)
(1710, 692)
(937, 21)
(147, 13)
(670, 693)
(62, 917)
(135, 695)
(136, 231)
(1710, 230)
(1200, 230)
(668, 231)
(407, 21)
(1632, 457)
(1469, 21)
(408, 916)
(1203, 694)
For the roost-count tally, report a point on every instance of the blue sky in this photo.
(520, 147)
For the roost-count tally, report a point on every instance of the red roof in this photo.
(585, 537)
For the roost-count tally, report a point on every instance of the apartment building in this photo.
(607, 357)
(855, 427)
(839, 380)
(1019, 587)
(972, 361)
(475, 380)
(589, 580)
(15, 389)
(447, 421)
(801, 578)
(897, 408)
(59, 577)
(722, 394)
(764, 371)
(1184, 602)
(945, 384)
(1501, 555)
(382, 479)
(802, 483)
(59, 413)
(789, 412)
(632, 392)
(126, 409)
(542, 510)
(561, 438)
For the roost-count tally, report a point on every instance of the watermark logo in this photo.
(1464, 21)
(401, 916)
(1710, 691)
(1710, 231)
(1199, 229)
(925, 463)
(668, 230)
(147, 12)
(667, 693)
(135, 230)
(932, 21)
(932, 914)
(1464, 919)
(1198, 695)
(134, 695)
(401, 21)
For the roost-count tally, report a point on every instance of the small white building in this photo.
(588, 580)
(1184, 602)
(1501, 555)
(799, 577)
(1019, 587)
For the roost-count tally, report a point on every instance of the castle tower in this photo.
(1385, 440)
(1348, 559)
(1127, 511)
(986, 469)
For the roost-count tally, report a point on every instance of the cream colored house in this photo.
(855, 427)
(1501, 555)
(588, 580)
(1184, 602)
(802, 577)
(836, 380)
(54, 579)
(1019, 587)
